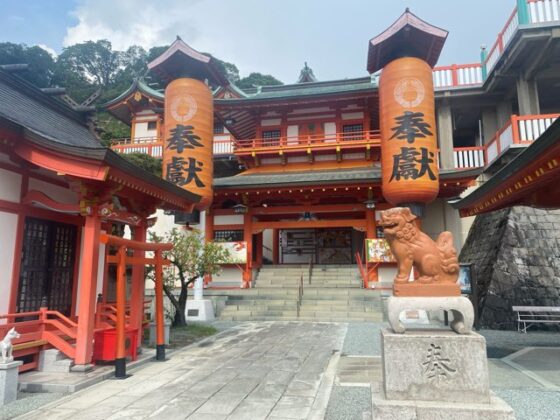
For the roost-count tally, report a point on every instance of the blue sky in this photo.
(270, 36)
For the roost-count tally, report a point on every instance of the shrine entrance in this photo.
(321, 245)
(47, 266)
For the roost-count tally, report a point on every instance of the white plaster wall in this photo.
(234, 219)
(57, 193)
(8, 229)
(100, 270)
(352, 116)
(228, 275)
(387, 273)
(268, 238)
(141, 130)
(271, 122)
(10, 186)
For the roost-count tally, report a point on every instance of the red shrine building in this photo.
(298, 167)
(62, 194)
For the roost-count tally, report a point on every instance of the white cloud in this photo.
(48, 49)
(132, 22)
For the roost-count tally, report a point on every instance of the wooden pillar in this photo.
(259, 250)
(160, 337)
(208, 236)
(88, 287)
(371, 233)
(120, 356)
(138, 285)
(275, 246)
(248, 238)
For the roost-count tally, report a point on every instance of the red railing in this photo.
(457, 75)
(316, 141)
(517, 131)
(154, 147)
(47, 328)
(363, 270)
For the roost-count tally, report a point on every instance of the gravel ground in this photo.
(501, 343)
(349, 403)
(363, 339)
(532, 405)
(27, 402)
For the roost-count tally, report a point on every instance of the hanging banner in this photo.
(408, 132)
(378, 251)
(189, 135)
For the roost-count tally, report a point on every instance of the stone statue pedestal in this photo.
(9, 381)
(436, 374)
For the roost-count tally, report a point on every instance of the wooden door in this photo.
(47, 266)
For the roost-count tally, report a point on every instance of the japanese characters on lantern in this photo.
(408, 140)
(188, 142)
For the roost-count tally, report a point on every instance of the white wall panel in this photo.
(8, 229)
(10, 186)
(57, 193)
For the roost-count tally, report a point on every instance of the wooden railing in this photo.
(517, 131)
(458, 75)
(543, 11)
(315, 141)
(37, 330)
(363, 271)
(468, 157)
(153, 146)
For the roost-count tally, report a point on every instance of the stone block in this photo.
(54, 361)
(9, 382)
(434, 365)
(384, 409)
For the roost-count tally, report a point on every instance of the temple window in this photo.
(228, 235)
(353, 131)
(271, 137)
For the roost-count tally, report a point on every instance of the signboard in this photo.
(378, 251)
(465, 279)
(237, 252)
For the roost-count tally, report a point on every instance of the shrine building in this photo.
(298, 166)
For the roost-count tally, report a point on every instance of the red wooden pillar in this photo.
(120, 356)
(138, 284)
(248, 238)
(88, 287)
(259, 250)
(275, 246)
(371, 233)
(160, 337)
(208, 235)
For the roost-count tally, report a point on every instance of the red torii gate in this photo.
(122, 260)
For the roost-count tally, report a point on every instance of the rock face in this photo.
(516, 259)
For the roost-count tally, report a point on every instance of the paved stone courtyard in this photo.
(297, 370)
(255, 371)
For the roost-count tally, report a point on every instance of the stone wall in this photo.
(516, 259)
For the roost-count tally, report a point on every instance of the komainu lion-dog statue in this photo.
(435, 263)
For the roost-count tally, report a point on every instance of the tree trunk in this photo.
(180, 317)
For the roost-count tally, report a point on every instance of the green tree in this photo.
(41, 64)
(191, 258)
(147, 162)
(258, 79)
(93, 61)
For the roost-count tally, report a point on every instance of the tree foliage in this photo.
(258, 79)
(89, 66)
(191, 258)
(146, 162)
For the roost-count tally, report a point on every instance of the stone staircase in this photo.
(333, 294)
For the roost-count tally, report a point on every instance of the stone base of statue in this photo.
(436, 374)
(200, 310)
(460, 307)
(9, 381)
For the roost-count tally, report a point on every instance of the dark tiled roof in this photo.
(369, 174)
(27, 106)
(300, 178)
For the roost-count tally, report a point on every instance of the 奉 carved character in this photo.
(435, 262)
(6, 346)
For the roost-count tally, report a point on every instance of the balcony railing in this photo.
(314, 142)
(518, 131)
(468, 157)
(153, 146)
(458, 75)
(461, 75)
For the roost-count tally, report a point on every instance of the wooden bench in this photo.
(30, 344)
(531, 315)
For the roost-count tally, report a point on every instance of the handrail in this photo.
(300, 295)
(310, 273)
(135, 140)
(288, 142)
(362, 270)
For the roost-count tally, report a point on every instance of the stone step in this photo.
(296, 318)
